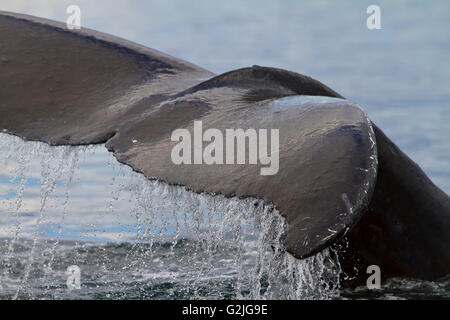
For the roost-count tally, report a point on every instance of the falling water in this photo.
(136, 238)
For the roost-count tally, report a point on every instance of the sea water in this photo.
(134, 238)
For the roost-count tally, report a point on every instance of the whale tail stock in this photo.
(405, 230)
(84, 87)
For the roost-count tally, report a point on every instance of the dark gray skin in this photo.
(84, 87)
(405, 230)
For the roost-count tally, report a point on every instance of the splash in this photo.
(136, 238)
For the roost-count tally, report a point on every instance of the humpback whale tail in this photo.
(340, 178)
(406, 227)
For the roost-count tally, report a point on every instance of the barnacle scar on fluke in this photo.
(340, 178)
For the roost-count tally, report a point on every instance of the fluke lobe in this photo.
(341, 182)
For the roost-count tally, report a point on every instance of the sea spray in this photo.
(138, 238)
(49, 178)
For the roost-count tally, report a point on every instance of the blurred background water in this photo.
(399, 74)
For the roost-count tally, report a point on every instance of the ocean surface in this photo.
(137, 239)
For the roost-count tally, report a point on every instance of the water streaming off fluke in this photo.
(136, 238)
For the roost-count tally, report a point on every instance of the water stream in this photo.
(136, 238)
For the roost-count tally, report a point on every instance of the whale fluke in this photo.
(84, 87)
(69, 87)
